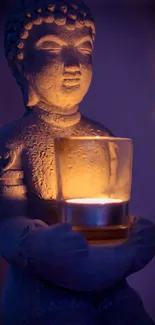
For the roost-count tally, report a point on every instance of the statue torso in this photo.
(30, 140)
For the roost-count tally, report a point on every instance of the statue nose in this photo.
(71, 62)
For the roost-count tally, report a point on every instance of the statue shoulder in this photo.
(96, 126)
(11, 133)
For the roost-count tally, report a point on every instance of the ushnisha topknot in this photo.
(29, 13)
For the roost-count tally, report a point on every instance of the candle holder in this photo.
(94, 184)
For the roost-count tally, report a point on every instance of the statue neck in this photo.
(56, 116)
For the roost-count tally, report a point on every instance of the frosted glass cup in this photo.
(93, 185)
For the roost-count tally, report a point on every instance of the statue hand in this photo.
(63, 256)
(141, 242)
(58, 244)
(107, 265)
(67, 244)
(131, 256)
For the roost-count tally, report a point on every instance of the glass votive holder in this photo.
(93, 185)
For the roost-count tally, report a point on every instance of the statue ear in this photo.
(24, 80)
(31, 97)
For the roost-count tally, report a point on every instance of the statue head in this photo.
(48, 45)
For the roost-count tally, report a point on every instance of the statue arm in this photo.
(30, 244)
(13, 206)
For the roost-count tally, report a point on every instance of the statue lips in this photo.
(71, 79)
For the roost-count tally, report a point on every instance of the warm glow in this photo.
(94, 201)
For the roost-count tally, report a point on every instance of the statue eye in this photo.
(85, 48)
(50, 46)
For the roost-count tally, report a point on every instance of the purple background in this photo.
(122, 97)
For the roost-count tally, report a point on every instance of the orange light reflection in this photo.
(94, 201)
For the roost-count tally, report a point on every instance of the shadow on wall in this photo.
(122, 97)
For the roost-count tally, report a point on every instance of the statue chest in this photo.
(39, 162)
(41, 173)
(40, 169)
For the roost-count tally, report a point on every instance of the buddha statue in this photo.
(55, 277)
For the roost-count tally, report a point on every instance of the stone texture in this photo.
(54, 276)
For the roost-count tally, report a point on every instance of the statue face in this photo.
(58, 63)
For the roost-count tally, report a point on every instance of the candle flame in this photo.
(94, 201)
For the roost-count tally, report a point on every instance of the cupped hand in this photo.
(59, 243)
(141, 242)
(64, 257)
